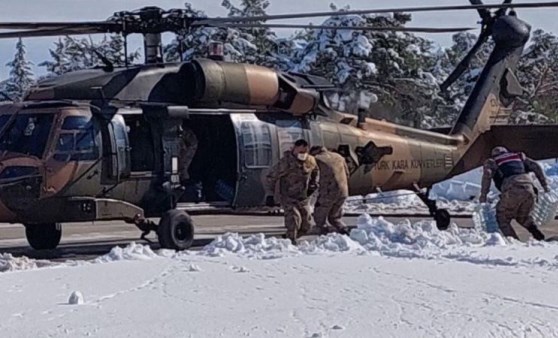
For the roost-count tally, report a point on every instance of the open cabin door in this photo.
(255, 157)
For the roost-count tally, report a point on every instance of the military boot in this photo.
(537, 234)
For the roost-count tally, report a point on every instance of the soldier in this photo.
(510, 172)
(188, 148)
(333, 190)
(297, 175)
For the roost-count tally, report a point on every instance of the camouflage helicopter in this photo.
(104, 143)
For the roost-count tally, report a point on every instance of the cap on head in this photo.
(498, 151)
(301, 143)
(300, 146)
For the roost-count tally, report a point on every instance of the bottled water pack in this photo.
(545, 209)
(484, 217)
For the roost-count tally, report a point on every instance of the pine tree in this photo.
(270, 49)
(72, 54)
(21, 74)
(538, 74)
(251, 45)
(395, 66)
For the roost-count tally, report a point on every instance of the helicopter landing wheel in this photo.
(176, 230)
(43, 236)
(442, 218)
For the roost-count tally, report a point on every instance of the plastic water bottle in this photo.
(545, 209)
(484, 217)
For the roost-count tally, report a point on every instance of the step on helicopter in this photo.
(104, 143)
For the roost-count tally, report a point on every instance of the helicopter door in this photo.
(255, 156)
(118, 164)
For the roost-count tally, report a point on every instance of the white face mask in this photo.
(302, 156)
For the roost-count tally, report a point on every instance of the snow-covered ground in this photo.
(403, 280)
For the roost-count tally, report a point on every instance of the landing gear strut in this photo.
(175, 229)
(441, 216)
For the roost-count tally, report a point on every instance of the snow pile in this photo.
(330, 243)
(378, 237)
(252, 246)
(372, 235)
(11, 263)
(131, 252)
(422, 239)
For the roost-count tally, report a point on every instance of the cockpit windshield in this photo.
(25, 133)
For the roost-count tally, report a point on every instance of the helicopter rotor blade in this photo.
(464, 63)
(375, 11)
(50, 32)
(361, 28)
(483, 12)
(502, 11)
(58, 25)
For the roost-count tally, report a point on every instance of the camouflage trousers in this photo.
(329, 208)
(297, 217)
(517, 202)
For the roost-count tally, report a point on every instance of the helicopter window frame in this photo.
(27, 133)
(257, 144)
(81, 143)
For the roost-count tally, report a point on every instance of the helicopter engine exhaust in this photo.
(238, 83)
(217, 81)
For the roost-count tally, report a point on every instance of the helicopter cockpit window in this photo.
(256, 138)
(26, 133)
(77, 140)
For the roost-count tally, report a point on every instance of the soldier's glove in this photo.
(269, 201)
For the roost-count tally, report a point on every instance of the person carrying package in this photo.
(510, 172)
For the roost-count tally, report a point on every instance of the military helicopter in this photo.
(104, 144)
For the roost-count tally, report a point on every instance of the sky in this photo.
(84, 10)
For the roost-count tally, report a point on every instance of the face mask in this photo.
(302, 156)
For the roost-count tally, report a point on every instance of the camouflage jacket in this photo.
(294, 177)
(334, 174)
(491, 169)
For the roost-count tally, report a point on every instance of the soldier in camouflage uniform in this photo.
(333, 190)
(297, 175)
(510, 172)
(188, 148)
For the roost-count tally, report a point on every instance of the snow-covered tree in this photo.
(72, 54)
(538, 74)
(256, 45)
(270, 49)
(195, 42)
(395, 66)
(462, 44)
(21, 74)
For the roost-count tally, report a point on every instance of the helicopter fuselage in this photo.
(61, 162)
